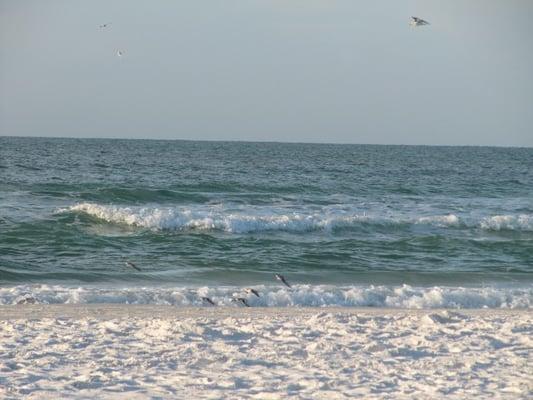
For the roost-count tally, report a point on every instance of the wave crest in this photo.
(257, 219)
(228, 221)
(301, 295)
(521, 222)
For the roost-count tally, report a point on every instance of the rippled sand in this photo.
(119, 351)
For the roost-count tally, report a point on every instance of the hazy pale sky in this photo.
(284, 70)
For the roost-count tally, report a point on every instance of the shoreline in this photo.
(112, 311)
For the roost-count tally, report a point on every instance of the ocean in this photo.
(347, 225)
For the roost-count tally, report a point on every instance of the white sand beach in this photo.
(134, 352)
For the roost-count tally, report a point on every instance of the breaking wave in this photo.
(521, 222)
(256, 219)
(300, 295)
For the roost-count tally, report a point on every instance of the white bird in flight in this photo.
(415, 21)
(132, 265)
(281, 278)
(120, 53)
(105, 25)
(252, 291)
(208, 300)
(241, 300)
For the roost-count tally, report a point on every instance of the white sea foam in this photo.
(522, 222)
(265, 219)
(252, 220)
(440, 220)
(301, 295)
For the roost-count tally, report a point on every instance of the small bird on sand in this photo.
(132, 265)
(282, 279)
(208, 300)
(253, 291)
(241, 300)
(415, 21)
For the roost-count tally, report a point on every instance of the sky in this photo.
(269, 70)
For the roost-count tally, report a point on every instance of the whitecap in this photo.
(296, 220)
(404, 296)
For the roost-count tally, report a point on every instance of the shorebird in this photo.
(253, 291)
(132, 265)
(27, 300)
(208, 300)
(415, 21)
(241, 300)
(282, 278)
(120, 53)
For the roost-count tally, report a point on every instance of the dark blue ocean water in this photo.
(358, 223)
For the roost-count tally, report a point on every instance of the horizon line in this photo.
(269, 141)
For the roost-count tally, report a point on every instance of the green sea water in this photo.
(228, 214)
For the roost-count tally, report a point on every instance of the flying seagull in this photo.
(282, 278)
(27, 300)
(241, 300)
(415, 21)
(132, 265)
(105, 25)
(208, 300)
(120, 53)
(253, 291)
